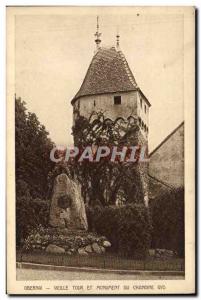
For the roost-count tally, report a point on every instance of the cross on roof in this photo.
(97, 34)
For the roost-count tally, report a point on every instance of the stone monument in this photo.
(67, 206)
(68, 231)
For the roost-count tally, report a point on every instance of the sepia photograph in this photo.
(100, 150)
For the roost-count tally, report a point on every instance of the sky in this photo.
(53, 52)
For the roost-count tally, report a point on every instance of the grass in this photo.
(106, 261)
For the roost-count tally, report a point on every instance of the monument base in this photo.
(69, 242)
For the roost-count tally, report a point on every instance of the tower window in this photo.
(141, 102)
(145, 109)
(117, 100)
(94, 103)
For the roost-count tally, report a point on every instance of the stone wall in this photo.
(167, 160)
(156, 188)
(105, 103)
(143, 169)
(132, 104)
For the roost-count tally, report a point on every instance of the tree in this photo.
(32, 148)
(32, 165)
(102, 181)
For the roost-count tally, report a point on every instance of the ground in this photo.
(39, 265)
(107, 261)
(31, 274)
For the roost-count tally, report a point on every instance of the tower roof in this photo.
(108, 72)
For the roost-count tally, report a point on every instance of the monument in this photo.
(67, 206)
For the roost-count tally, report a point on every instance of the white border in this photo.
(3, 93)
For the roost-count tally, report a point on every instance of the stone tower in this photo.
(110, 86)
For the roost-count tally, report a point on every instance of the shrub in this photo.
(24, 218)
(29, 214)
(168, 221)
(42, 210)
(127, 228)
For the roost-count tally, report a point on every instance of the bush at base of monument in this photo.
(57, 240)
(128, 228)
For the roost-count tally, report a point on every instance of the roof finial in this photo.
(117, 36)
(97, 34)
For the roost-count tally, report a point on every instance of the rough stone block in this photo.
(102, 249)
(96, 248)
(88, 249)
(82, 251)
(106, 244)
(54, 249)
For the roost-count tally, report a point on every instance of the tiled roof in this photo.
(108, 72)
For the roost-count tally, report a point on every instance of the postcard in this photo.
(100, 150)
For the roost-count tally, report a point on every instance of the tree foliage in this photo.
(32, 148)
(128, 228)
(32, 165)
(168, 221)
(105, 181)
